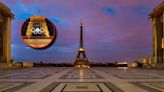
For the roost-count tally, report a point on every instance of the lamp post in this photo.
(163, 35)
(163, 47)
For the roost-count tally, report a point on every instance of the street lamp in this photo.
(163, 47)
(163, 43)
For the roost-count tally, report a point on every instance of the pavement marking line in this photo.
(120, 83)
(36, 87)
(104, 88)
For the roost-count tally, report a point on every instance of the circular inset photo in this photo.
(38, 32)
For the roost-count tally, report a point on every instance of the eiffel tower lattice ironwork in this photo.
(81, 61)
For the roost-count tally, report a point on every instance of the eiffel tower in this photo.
(81, 61)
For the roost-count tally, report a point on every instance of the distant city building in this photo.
(158, 33)
(27, 64)
(122, 64)
(6, 17)
(132, 64)
(145, 60)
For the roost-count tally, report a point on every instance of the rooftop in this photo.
(157, 10)
(5, 10)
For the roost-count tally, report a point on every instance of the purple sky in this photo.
(114, 30)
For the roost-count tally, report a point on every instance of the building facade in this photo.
(5, 33)
(157, 18)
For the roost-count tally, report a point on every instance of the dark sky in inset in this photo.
(114, 30)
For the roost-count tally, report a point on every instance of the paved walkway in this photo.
(96, 79)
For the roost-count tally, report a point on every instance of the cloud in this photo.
(109, 10)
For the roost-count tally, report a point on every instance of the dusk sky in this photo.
(114, 30)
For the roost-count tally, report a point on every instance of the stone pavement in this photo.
(69, 79)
